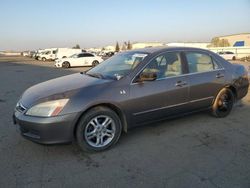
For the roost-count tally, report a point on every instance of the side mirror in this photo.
(147, 76)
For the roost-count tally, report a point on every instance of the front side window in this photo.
(74, 56)
(166, 65)
(199, 62)
(81, 55)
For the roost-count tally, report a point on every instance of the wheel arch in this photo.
(233, 89)
(113, 107)
(95, 61)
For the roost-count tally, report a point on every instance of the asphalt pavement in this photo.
(193, 151)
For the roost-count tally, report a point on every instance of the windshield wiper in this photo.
(101, 76)
(95, 75)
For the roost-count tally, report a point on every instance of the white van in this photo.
(66, 52)
(48, 54)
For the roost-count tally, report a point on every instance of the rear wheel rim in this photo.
(225, 102)
(95, 63)
(100, 131)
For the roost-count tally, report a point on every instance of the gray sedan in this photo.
(129, 89)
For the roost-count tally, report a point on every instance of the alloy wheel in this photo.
(100, 131)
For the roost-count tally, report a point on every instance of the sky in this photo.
(34, 24)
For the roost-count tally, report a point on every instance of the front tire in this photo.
(43, 59)
(223, 103)
(66, 64)
(99, 129)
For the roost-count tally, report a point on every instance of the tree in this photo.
(224, 43)
(77, 47)
(117, 47)
(129, 47)
(216, 42)
(124, 46)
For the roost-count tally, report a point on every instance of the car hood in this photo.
(62, 60)
(62, 87)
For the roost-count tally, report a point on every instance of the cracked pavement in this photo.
(193, 151)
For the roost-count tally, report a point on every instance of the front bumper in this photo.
(46, 130)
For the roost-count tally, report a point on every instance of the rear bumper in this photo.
(51, 130)
(242, 88)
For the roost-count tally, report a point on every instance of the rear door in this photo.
(229, 55)
(88, 59)
(154, 100)
(206, 78)
(81, 59)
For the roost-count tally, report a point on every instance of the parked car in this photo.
(66, 52)
(227, 55)
(26, 53)
(32, 53)
(49, 54)
(81, 59)
(39, 53)
(110, 54)
(101, 53)
(129, 89)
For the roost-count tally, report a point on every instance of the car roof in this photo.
(165, 48)
(85, 53)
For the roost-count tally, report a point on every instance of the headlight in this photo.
(47, 109)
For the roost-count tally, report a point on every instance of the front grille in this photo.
(20, 107)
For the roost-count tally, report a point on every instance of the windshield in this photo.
(73, 56)
(118, 66)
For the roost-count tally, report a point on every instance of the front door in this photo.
(167, 95)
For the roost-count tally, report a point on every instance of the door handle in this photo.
(180, 84)
(219, 75)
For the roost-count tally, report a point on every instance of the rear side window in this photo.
(88, 55)
(199, 62)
